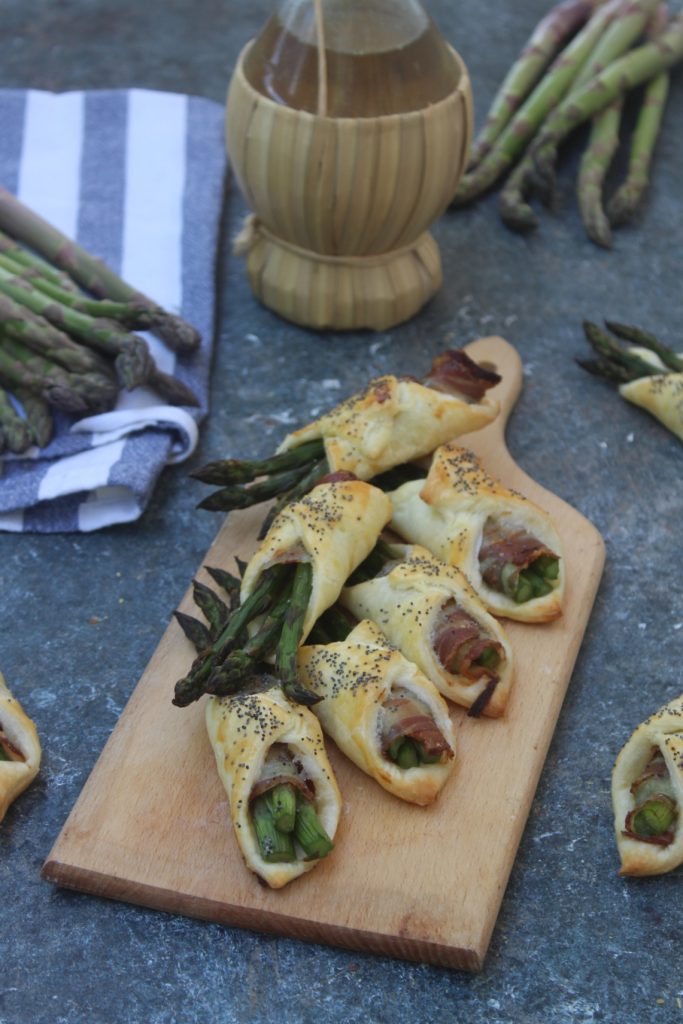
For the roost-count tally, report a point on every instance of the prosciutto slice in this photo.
(402, 715)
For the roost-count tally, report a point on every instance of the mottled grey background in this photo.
(574, 943)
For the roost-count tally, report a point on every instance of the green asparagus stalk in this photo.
(275, 846)
(544, 98)
(629, 197)
(597, 158)
(70, 392)
(241, 471)
(15, 429)
(196, 632)
(25, 226)
(30, 261)
(617, 362)
(281, 802)
(38, 416)
(645, 339)
(309, 832)
(192, 686)
(290, 638)
(33, 331)
(622, 75)
(515, 211)
(128, 314)
(626, 26)
(547, 39)
(133, 361)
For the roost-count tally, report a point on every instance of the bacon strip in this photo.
(459, 641)
(456, 374)
(405, 717)
(498, 549)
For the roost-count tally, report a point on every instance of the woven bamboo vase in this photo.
(338, 237)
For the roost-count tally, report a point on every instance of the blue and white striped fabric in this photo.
(137, 178)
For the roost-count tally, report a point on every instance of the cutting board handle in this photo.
(497, 354)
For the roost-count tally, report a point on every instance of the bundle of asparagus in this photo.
(580, 63)
(66, 323)
(648, 373)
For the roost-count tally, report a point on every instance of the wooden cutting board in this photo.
(151, 825)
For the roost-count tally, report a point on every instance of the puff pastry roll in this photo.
(661, 395)
(20, 750)
(382, 712)
(333, 528)
(284, 799)
(506, 545)
(396, 420)
(647, 794)
(430, 612)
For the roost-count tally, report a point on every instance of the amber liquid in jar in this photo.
(378, 74)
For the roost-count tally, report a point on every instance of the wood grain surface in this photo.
(151, 825)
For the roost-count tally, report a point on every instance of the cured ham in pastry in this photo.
(20, 750)
(382, 712)
(506, 545)
(647, 794)
(430, 612)
(333, 528)
(284, 800)
(661, 395)
(396, 420)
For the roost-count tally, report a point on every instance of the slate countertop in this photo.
(573, 943)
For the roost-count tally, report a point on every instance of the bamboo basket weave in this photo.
(338, 237)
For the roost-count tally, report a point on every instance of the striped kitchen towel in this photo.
(137, 178)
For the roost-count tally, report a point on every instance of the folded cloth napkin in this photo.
(137, 178)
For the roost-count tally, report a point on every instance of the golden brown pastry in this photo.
(20, 750)
(430, 612)
(661, 395)
(506, 545)
(382, 712)
(334, 528)
(396, 420)
(647, 794)
(271, 751)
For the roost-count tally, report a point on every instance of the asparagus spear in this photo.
(515, 211)
(616, 359)
(646, 340)
(132, 358)
(38, 416)
(619, 77)
(602, 145)
(15, 430)
(70, 392)
(126, 313)
(30, 261)
(290, 638)
(192, 686)
(547, 39)
(628, 198)
(627, 25)
(37, 333)
(544, 98)
(92, 274)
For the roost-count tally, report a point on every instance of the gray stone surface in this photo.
(573, 943)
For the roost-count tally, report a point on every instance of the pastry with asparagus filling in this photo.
(382, 712)
(506, 545)
(430, 612)
(647, 794)
(20, 750)
(392, 421)
(284, 800)
(297, 572)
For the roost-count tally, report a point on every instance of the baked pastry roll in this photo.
(382, 712)
(20, 750)
(334, 528)
(506, 545)
(396, 420)
(271, 759)
(647, 794)
(430, 612)
(661, 395)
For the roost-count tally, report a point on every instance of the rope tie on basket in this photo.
(253, 230)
